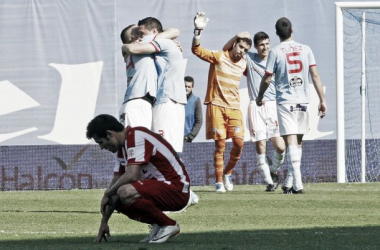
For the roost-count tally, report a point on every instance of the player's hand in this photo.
(259, 101)
(322, 109)
(200, 21)
(244, 34)
(104, 233)
(187, 139)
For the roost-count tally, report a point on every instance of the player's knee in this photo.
(219, 152)
(124, 193)
(280, 149)
(237, 148)
(236, 152)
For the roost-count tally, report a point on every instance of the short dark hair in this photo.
(151, 23)
(283, 28)
(123, 32)
(259, 36)
(189, 79)
(100, 124)
(244, 39)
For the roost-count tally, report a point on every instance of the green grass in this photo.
(328, 216)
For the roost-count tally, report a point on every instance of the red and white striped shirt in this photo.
(156, 157)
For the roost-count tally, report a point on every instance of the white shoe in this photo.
(164, 233)
(220, 187)
(228, 182)
(193, 198)
(153, 231)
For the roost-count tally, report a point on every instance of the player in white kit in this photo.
(140, 94)
(169, 108)
(292, 63)
(263, 122)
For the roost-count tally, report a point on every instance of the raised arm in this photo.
(231, 42)
(169, 33)
(138, 48)
(200, 22)
(148, 48)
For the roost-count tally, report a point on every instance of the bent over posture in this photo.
(150, 179)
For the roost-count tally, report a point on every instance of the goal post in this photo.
(340, 96)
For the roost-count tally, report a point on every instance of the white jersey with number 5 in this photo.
(290, 62)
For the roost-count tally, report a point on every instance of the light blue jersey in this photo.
(290, 62)
(255, 72)
(141, 76)
(171, 72)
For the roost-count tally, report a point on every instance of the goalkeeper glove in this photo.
(200, 22)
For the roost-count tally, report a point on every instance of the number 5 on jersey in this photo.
(293, 61)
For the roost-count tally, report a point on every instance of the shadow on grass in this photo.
(50, 211)
(318, 238)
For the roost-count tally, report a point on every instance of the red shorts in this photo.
(163, 195)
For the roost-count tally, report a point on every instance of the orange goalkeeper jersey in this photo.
(223, 78)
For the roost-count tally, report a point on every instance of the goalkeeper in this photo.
(224, 119)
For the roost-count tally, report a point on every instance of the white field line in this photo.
(42, 232)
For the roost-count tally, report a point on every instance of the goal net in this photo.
(361, 88)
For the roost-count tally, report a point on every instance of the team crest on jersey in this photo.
(295, 82)
(131, 153)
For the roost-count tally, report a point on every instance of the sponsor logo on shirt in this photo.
(131, 153)
(295, 82)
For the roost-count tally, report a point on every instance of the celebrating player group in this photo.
(148, 134)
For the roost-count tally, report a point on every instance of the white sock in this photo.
(289, 177)
(264, 168)
(277, 161)
(295, 164)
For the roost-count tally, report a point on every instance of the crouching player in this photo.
(150, 178)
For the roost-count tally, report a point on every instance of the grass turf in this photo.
(328, 216)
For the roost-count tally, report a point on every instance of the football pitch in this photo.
(328, 216)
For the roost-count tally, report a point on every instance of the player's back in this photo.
(141, 76)
(156, 156)
(290, 62)
(171, 72)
